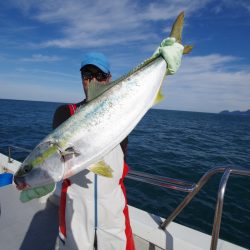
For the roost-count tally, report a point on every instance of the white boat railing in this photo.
(193, 189)
(185, 186)
(11, 147)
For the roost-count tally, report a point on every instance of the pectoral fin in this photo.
(37, 192)
(70, 151)
(159, 97)
(101, 168)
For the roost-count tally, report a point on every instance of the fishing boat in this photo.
(34, 225)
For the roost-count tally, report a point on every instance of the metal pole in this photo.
(9, 155)
(218, 211)
(190, 196)
(160, 183)
(165, 182)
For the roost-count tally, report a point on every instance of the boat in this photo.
(34, 225)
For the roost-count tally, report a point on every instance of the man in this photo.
(93, 209)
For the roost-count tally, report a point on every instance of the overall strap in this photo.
(72, 108)
(62, 208)
(130, 245)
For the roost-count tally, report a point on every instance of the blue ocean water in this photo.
(167, 143)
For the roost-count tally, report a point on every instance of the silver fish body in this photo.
(95, 129)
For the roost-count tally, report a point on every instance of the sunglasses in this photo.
(99, 76)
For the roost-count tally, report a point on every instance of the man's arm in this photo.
(124, 146)
(62, 114)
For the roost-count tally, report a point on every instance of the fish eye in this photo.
(27, 169)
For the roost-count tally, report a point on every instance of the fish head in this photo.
(44, 165)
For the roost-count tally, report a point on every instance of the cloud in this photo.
(43, 85)
(231, 4)
(41, 58)
(203, 83)
(88, 24)
(240, 3)
(40, 92)
(126, 31)
(46, 73)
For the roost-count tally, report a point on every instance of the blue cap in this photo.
(97, 59)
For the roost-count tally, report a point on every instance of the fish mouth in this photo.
(20, 183)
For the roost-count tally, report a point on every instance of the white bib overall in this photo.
(92, 204)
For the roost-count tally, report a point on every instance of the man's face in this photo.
(92, 73)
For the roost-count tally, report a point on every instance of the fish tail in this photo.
(176, 32)
(177, 28)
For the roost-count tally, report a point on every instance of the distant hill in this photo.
(236, 112)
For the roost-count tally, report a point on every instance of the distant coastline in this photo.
(236, 112)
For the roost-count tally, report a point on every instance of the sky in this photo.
(42, 43)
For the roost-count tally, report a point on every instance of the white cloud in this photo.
(45, 73)
(41, 58)
(40, 92)
(245, 4)
(41, 85)
(242, 3)
(202, 84)
(93, 24)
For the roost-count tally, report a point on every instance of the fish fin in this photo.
(187, 49)
(159, 97)
(36, 192)
(96, 89)
(101, 168)
(70, 151)
(177, 28)
(176, 32)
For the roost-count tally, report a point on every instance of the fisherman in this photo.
(93, 209)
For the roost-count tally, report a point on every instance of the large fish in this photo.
(94, 130)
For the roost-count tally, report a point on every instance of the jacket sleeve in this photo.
(62, 114)
(124, 146)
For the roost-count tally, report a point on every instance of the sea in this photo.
(175, 144)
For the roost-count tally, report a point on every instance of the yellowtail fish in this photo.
(94, 130)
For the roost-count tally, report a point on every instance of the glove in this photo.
(37, 192)
(172, 52)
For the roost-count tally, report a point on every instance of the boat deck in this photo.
(23, 226)
(34, 225)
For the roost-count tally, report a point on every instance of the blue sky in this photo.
(42, 43)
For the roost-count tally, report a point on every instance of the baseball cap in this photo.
(97, 59)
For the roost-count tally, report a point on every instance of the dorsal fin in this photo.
(95, 89)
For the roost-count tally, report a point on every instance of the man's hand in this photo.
(172, 52)
(38, 192)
